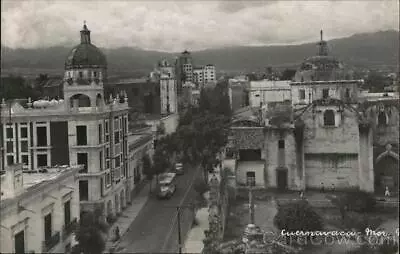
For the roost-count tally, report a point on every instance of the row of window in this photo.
(325, 93)
(49, 239)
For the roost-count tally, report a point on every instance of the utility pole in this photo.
(178, 217)
(179, 229)
(251, 205)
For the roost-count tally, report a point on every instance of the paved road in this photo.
(155, 228)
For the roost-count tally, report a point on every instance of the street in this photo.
(155, 228)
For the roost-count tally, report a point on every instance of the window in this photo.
(117, 161)
(10, 159)
(81, 135)
(100, 134)
(41, 136)
(325, 93)
(347, 95)
(83, 190)
(47, 228)
(108, 179)
(10, 146)
(80, 74)
(25, 159)
(42, 160)
(67, 213)
(382, 120)
(82, 159)
(251, 178)
(302, 94)
(116, 137)
(24, 146)
(281, 144)
(10, 132)
(101, 160)
(329, 118)
(24, 132)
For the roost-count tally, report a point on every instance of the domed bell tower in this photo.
(85, 72)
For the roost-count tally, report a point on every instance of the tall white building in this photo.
(84, 128)
(38, 209)
(204, 75)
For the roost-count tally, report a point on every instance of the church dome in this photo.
(85, 55)
(321, 67)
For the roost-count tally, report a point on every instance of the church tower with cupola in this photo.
(85, 72)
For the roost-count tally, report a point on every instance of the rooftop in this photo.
(33, 179)
(137, 140)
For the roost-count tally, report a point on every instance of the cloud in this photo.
(176, 25)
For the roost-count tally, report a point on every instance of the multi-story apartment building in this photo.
(204, 75)
(209, 74)
(84, 128)
(184, 69)
(38, 209)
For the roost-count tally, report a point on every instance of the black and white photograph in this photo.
(199, 126)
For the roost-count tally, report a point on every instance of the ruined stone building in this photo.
(328, 135)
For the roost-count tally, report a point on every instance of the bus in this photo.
(167, 185)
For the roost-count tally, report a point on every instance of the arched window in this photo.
(99, 100)
(347, 95)
(82, 100)
(329, 118)
(382, 119)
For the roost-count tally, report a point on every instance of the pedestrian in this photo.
(301, 194)
(117, 236)
(387, 192)
(322, 188)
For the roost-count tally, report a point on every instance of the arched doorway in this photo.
(282, 179)
(99, 101)
(116, 204)
(109, 208)
(386, 173)
(122, 196)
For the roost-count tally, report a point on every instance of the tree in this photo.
(148, 169)
(298, 215)
(288, 74)
(90, 234)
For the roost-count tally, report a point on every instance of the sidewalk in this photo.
(194, 240)
(127, 216)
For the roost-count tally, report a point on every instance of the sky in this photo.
(189, 24)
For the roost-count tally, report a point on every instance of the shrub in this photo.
(298, 215)
(201, 187)
(359, 201)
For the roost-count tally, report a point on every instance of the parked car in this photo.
(167, 186)
(179, 169)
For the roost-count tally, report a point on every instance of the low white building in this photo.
(139, 145)
(264, 91)
(38, 209)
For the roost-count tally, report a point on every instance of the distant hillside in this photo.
(369, 50)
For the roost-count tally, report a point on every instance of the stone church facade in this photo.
(326, 136)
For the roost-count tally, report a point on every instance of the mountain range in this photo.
(366, 50)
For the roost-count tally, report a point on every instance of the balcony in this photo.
(67, 229)
(50, 243)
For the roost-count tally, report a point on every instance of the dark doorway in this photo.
(386, 174)
(281, 179)
(19, 242)
(148, 103)
(47, 228)
(251, 178)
